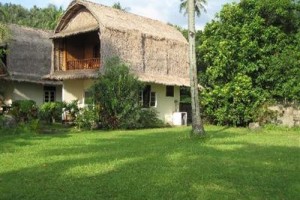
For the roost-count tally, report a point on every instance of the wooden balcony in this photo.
(93, 63)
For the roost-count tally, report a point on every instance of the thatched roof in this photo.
(108, 17)
(92, 73)
(74, 74)
(156, 52)
(29, 55)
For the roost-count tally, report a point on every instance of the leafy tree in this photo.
(199, 5)
(4, 33)
(116, 93)
(44, 18)
(249, 56)
(197, 125)
(4, 37)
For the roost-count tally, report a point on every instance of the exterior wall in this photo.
(166, 105)
(287, 116)
(74, 90)
(27, 91)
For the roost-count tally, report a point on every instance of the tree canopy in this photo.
(44, 18)
(199, 6)
(118, 6)
(249, 56)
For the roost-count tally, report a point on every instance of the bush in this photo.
(116, 93)
(236, 103)
(8, 126)
(148, 118)
(24, 110)
(87, 118)
(7, 122)
(51, 111)
(72, 109)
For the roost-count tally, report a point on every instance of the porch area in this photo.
(77, 52)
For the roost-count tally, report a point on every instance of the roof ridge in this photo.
(126, 12)
(31, 28)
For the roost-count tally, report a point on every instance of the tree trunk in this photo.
(197, 125)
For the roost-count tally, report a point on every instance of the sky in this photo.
(163, 10)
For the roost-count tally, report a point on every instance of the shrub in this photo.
(7, 122)
(148, 118)
(236, 103)
(265, 115)
(87, 118)
(72, 109)
(51, 111)
(24, 110)
(116, 94)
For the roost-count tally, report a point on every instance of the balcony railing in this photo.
(93, 63)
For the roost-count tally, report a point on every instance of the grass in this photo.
(232, 163)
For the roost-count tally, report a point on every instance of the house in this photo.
(26, 61)
(89, 33)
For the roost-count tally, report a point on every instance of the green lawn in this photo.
(231, 163)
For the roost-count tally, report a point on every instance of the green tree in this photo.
(257, 43)
(4, 32)
(116, 93)
(44, 18)
(199, 5)
(197, 125)
(4, 35)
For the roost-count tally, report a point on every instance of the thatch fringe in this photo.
(74, 74)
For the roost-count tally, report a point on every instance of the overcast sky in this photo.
(163, 10)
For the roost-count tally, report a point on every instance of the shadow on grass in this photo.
(156, 164)
(24, 136)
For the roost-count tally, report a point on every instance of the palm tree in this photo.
(197, 125)
(118, 6)
(199, 5)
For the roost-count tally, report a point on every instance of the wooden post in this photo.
(65, 55)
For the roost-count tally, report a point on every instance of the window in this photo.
(169, 91)
(147, 98)
(49, 93)
(152, 99)
(141, 99)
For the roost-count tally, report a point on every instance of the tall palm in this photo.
(199, 6)
(197, 125)
(118, 6)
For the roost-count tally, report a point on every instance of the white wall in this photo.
(74, 89)
(166, 105)
(27, 91)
